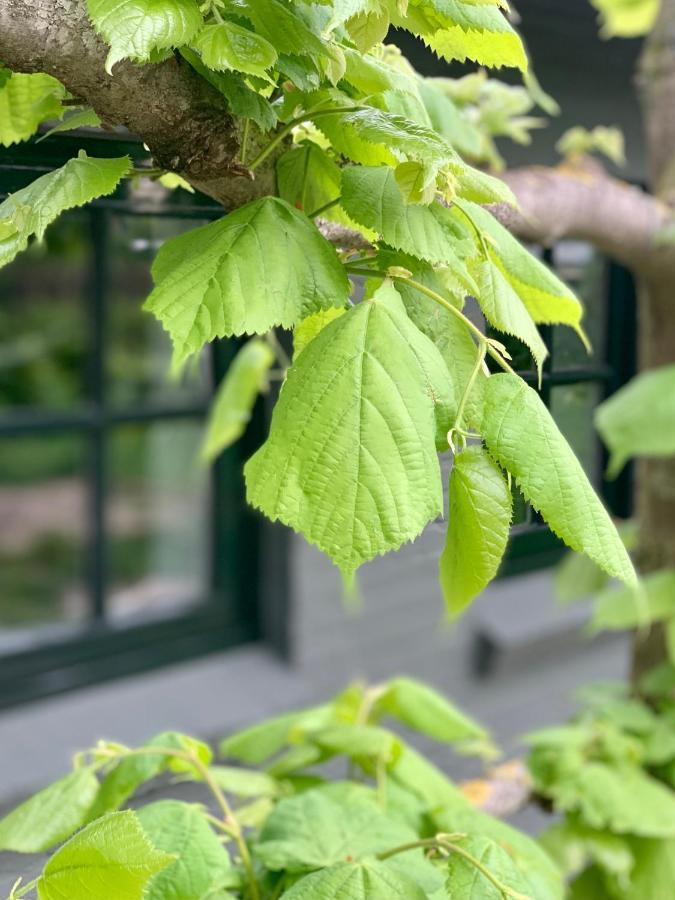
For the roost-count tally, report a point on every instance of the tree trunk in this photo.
(655, 491)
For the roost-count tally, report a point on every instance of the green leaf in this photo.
(367, 880)
(307, 330)
(400, 134)
(466, 880)
(227, 45)
(357, 742)
(25, 102)
(313, 830)
(542, 878)
(236, 396)
(505, 310)
(136, 28)
(51, 815)
(423, 709)
(263, 265)
(522, 437)
(627, 18)
(572, 845)
(30, 210)
(307, 177)
(626, 607)
(622, 799)
(281, 24)
(425, 781)
(577, 576)
(368, 28)
(244, 782)
(639, 419)
(654, 874)
(83, 118)
(132, 771)
(202, 863)
(112, 856)
(350, 461)
(478, 528)
(256, 744)
(372, 197)
(547, 298)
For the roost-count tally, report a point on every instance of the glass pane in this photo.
(157, 519)
(43, 508)
(572, 407)
(584, 270)
(138, 349)
(43, 321)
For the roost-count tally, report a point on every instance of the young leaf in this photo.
(236, 395)
(307, 177)
(244, 782)
(25, 102)
(83, 118)
(256, 744)
(423, 709)
(350, 461)
(425, 781)
(263, 265)
(314, 829)
(30, 210)
(305, 331)
(478, 528)
(281, 24)
(51, 815)
(110, 857)
(136, 28)
(521, 436)
(372, 197)
(368, 27)
(201, 862)
(467, 878)
(639, 419)
(227, 45)
(505, 310)
(367, 880)
(547, 298)
(357, 742)
(618, 609)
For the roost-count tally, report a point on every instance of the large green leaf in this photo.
(466, 880)
(478, 528)
(654, 874)
(639, 419)
(350, 461)
(236, 395)
(314, 829)
(181, 829)
(423, 709)
(366, 880)
(523, 438)
(112, 857)
(281, 24)
(51, 815)
(30, 210)
(25, 102)
(263, 265)
(227, 45)
(505, 310)
(136, 28)
(626, 607)
(546, 297)
(371, 196)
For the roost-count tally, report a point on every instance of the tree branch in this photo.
(580, 200)
(182, 119)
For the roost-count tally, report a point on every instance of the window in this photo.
(118, 550)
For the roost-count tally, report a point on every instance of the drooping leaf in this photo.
(639, 419)
(226, 45)
(281, 24)
(547, 298)
(478, 528)
(244, 782)
(202, 863)
(425, 781)
(625, 607)
(313, 830)
(83, 118)
(236, 396)
(136, 28)
(434, 233)
(577, 576)
(366, 880)
(110, 857)
(523, 438)
(465, 879)
(30, 210)
(423, 709)
(263, 265)
(256, 744)
(51, 815)
(350, 461)
(25, 102)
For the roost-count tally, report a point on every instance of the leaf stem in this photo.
(289, 126)
(244, 141)
(279, 352)
(474, 329)
(457, 427)
(324, 208)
